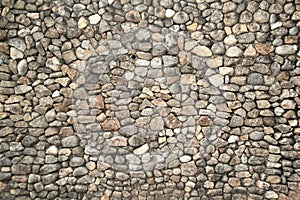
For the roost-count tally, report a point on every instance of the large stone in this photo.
(286, 49)
(172, 121)
(20, 169)
(29, 141)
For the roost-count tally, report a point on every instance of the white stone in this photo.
(217, 80)
(226, 70)
(142, 62)
(55, 93)
(185, 158)
(202, 51)
(94, 19)
(234, 52)
(233, 139)
(188, 79)
(82, 23)
(16, 53)
(52, 150)
(230, 40)
(141, 150)
(170, 13)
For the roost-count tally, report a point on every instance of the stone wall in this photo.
(149, 99)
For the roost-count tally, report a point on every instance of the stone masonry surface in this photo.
(149, 99)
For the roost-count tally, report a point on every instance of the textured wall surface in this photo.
(149, 99)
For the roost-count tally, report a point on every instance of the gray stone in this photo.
(29, 141)
(80, 171)
(286, 49)
(181, 17)
(255, 79)
(256, 135)
(39, 122)
(261, 16)
(71, 141)
(157, 124)
(22, 89)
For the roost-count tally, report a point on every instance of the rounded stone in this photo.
(181, 18)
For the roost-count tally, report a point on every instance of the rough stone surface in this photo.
(144, 99)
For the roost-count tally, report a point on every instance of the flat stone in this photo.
(256, 135)
(69, 56)
(188, 169)
(96, 102)
(80, 171)
(234, 52)
(255, 79)
(170, 61)
(202, 51)
(236, 121)
(136, 141)
(187, 79)
(20, 169)
(286, 49)
(117, 141)
(71, 141)
(172, 121)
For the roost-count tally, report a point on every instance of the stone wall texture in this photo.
(149, 99)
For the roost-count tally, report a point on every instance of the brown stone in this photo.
(133, 16)
(273, 179)
(235, 182)
(172, 121)
(110, 124)
(117, 141)
(96, 102)
(4, 47)
(264, 49)
(204, 121)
